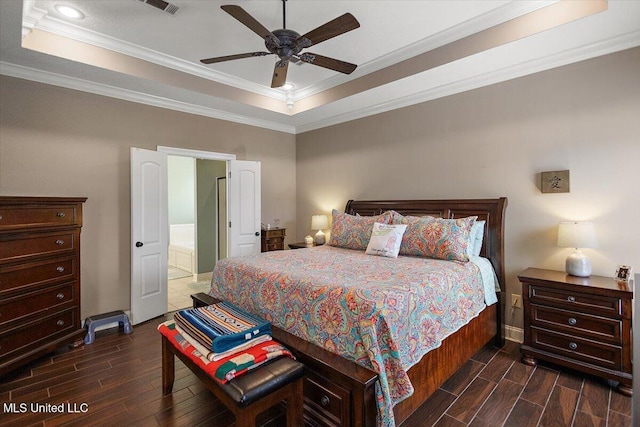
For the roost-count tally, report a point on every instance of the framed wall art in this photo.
(554, 182)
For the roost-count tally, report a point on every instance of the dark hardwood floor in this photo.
(117, 381)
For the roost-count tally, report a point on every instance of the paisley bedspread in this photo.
(383, 313)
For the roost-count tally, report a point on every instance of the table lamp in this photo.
(319, 222)
(577, 235)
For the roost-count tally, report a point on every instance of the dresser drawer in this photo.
(22, 247)
(571, 322)
(35, 274)
(575, 301)
(607, 356)
(34, 303)
(34, 333)
(326, 404)
(14, 217)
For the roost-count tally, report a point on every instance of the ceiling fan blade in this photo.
(250, 22)
(232, 57)
(326, 62)
(280, 73)
(340, 25)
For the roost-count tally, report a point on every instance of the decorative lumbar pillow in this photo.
(475, 238)
(437, 237)
(354, 232)
(386, 239)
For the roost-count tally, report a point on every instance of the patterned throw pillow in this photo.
(437, 237)
(354, 232)
(386, 239)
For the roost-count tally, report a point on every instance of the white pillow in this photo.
(386, 239)
(475, 238)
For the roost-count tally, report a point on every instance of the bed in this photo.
(375, 355)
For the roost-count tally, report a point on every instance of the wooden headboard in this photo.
(490, 210)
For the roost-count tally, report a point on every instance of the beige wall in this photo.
(493, 142)
(60, 142)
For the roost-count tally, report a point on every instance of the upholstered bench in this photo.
(250, 394)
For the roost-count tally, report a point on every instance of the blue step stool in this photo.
(93, 322)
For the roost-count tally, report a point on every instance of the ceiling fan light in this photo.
(68, 11)
(288, 86)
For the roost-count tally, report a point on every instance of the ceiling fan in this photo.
(287, 44)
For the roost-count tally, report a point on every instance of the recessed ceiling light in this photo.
(68, 11)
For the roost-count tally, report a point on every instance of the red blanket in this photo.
(232, 366)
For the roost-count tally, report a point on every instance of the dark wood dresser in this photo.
(583, 323)
(39, 277)
(273, 239)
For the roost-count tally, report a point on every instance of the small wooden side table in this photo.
(273, 239)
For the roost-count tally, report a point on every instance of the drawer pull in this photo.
(573, 345)
(572, 321)
(60, 323)
(0, 217)
(571, 299)
(59, 242)
(60, 296)
(325, 400)
(60, 214)
(59, 269)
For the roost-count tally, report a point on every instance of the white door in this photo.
(149, 234)
(244, 211)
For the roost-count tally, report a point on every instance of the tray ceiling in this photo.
(406, 51)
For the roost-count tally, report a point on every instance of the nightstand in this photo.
(273, 239)
(583, 323)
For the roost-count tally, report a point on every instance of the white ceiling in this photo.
(390, 32)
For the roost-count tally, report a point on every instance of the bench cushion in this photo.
(265, 379)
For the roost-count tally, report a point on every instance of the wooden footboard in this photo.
(353, 386)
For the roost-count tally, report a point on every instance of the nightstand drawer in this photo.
(571, 322)
(607, 356)
(575, 301)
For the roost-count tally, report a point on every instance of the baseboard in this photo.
(514, 334)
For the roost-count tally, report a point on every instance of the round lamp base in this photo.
(578, 265)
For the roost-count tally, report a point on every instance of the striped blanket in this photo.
(221, 326)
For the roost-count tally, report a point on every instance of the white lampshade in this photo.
(577, 235)
(319, 222)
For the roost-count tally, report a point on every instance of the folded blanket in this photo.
(221, 326)
(210, 355)
(229, 367)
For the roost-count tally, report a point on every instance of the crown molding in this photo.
(569, 56)
(54, 79)
(566, 57)
(34, 17)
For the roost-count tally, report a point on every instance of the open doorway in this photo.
(194, 235)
